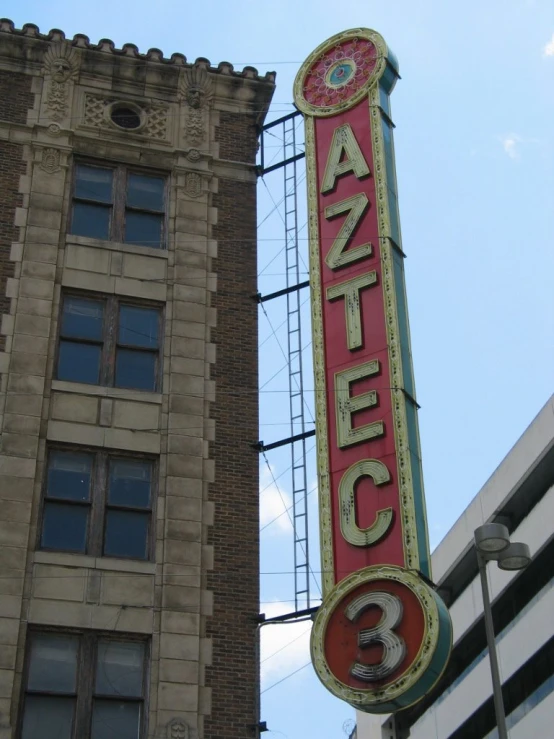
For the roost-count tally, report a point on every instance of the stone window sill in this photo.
(66, 559)
(106, 392)
(145, 251)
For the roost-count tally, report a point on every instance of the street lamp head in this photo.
(491, 538)
(515, 557)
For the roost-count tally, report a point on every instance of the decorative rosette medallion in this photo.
(339, 73)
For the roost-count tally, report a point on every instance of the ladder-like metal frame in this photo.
(298, 434)
(295, 366)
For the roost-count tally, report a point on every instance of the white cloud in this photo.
(510, 144)
(548, 49)
(284, 647)
(514, 144)
(273, 504)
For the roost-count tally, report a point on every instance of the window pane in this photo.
(64, 527)
(47, 717)
(91, 220)
(126, 534)
(82, 319)
(143, 229)
(135, 369)
(115, 720)
(69, 475)
(53, 663)
(79, 362)
(93, 183)
(130, 483)
(145, 192)
(138, 326)
(119, 668)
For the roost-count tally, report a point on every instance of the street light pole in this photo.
(492, 541)
(491, 643)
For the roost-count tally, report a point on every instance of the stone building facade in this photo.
(128, 395)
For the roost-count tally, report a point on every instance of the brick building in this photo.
(128, 396)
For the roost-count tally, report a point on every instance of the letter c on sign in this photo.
(394, 647)
(347, 501)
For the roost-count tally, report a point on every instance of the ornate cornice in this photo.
(130, 51)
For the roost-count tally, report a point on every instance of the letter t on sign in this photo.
(350, 290)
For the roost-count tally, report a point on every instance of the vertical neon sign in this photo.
(382, 636)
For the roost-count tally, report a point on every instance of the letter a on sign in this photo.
(345, 156)
(382, 636)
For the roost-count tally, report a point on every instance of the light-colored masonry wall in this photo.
(165, 598)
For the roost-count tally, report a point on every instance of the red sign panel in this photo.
(363, 302)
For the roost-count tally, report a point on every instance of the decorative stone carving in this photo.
(197, 93)
(50, 160)
(61, 66)
(95, 107)
(54, 129)
(97, 115)
(193, 184)
(156, 122)
(177, 729)
(196, 87)
(193, 155)
(194, 127)
(61, 62)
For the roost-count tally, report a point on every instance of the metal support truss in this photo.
(285, 124)
(285, 130)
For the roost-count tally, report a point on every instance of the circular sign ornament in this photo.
(338, 74)
(381, 639)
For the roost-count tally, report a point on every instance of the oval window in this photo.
(125, 117)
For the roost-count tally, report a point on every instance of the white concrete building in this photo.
(519, 494)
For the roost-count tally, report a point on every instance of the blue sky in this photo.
(475, 160)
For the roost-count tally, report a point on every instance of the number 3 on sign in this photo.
(394, 647)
